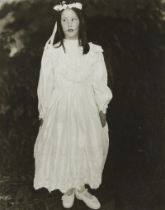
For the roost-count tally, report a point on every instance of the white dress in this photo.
(71, 146)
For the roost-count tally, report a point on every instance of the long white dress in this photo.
(71, 146)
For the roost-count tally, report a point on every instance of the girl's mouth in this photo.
(70, 30)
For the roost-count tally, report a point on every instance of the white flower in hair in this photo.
(75, 5)
(64, 6)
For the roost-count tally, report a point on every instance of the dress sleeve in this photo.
(45, 83)
(102, 92)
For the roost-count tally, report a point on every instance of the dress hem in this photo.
(64, 190)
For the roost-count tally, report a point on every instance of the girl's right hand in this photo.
(40, 122)
(102, 118)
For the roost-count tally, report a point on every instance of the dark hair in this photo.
(82, 36)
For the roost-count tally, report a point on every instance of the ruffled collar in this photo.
(72, 45)
(71, 42)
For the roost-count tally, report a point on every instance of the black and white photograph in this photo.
(82, 104)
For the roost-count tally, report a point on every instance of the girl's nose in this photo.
(69, 24)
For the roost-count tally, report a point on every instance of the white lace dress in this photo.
(71, 146)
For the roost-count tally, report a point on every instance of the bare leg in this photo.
(70, 191)
(68, 198)
(81, 189)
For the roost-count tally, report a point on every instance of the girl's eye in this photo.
(74, 19)
(63, 20)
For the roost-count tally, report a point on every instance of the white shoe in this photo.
(90, 200)
(68, 200)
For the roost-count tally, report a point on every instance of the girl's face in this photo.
(70, 24)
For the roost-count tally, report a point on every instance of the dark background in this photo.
(132, 34)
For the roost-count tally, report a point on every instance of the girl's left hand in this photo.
(40, 122)
(102, 118)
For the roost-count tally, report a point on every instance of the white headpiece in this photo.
(64, 5)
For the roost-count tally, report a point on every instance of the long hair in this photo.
(82, 36)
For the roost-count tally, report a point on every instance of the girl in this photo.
(72, 143)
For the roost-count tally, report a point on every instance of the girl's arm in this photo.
(102, 92)
(45, 83)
